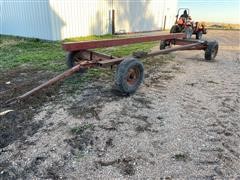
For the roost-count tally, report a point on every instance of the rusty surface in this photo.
(76, 46)
(133, 75)
(189, 46)
(178, 48)
(92, 55)
(200, 47)
(60, 77)
(109, 62)
(186, 41)
(86, 55)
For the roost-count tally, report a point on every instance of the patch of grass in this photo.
(46, 55)
(78, 80)
(92, 37)
(81, 129)
(223, 26)
(127, 50)
(212, 82)
(157, 61)
(34, 53)
(181, 157)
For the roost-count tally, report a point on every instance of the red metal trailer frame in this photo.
(90, 58)
(99, 59)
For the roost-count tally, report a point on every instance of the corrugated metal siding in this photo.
(26, 18)
(144, 15)
(141, 15)
(80, 17)
(60, 19)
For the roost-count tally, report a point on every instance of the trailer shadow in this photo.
(92, 99)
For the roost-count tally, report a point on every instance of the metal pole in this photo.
(51, 81)
(113, 21)
(164, 26)
(164, 51)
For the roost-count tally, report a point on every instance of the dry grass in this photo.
(225, 26)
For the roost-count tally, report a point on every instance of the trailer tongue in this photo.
(130, 71)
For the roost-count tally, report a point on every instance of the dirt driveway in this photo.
(184, 122)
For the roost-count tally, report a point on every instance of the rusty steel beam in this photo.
(200, 47)
(192, 46)
(77, 46)
(101, 55)
(178, 48)
(110, 62)
(60, 77)
(96, 56)
(186, 41)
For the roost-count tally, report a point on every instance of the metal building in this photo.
(60, 19)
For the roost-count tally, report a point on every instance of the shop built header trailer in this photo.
(129, 71)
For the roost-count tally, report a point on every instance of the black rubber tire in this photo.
(199, 35)
(211, 50)
(162, 45)
(122, 76)
(174, 29)
(70, 60)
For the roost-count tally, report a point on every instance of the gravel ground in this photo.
(183, 123)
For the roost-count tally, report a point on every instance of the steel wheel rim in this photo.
(77, 58)
(133, 76)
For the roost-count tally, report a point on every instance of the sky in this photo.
(227, 11)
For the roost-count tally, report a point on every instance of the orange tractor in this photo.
(185, 24)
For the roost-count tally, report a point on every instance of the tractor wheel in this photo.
(174, 29)
(73, 58)
(211, 50)
(129, 75)
(199, 35)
